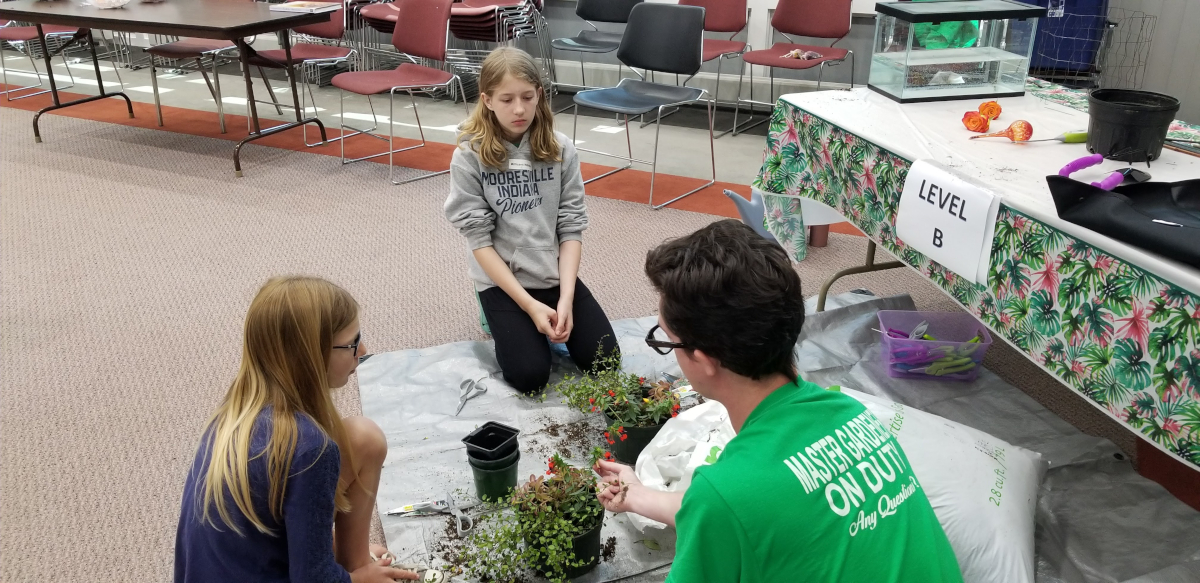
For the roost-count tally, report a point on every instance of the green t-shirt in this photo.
(813, 488)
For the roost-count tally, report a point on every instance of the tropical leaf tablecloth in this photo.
(1120, 336)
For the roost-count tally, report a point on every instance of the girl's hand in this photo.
(544, 317)
(380, 572)
(566, 320)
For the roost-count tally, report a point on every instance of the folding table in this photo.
(231, 20)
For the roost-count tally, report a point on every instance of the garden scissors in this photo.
(462, 522)
(469, 389)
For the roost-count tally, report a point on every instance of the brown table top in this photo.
(213, 19)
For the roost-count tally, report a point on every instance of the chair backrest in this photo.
(721, 15)
(815, 18)
(616, 11)
(421, 28)
(334, 29)
(664, 37)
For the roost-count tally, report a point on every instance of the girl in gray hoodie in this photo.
(516, 195)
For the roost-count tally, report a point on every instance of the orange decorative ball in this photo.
(975, 121)
(990, 110)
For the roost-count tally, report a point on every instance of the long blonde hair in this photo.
(487, 136)
(285, 357)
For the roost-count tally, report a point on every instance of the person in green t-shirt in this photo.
(813, 487)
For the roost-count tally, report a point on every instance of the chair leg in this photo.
(214, 87)
(220, 97)
(712, 154)
(737, 107)
(851, 69)
(154, 88)
(270, 90)
(8, 93)
(628, 146)
(391, 146)
(463, 92)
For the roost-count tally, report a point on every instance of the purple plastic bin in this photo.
(950, 356)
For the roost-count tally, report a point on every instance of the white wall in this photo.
(1174, 65)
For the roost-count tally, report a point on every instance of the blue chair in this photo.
(595, 41)
(667, 38)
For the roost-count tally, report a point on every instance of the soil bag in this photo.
(983, 490)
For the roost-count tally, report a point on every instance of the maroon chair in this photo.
(722, 16)
(421, 32)
(305, 55)
(198, 49)
(829, 19)
(28, 34)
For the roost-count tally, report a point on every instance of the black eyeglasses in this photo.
(353, 346)
(663, 347)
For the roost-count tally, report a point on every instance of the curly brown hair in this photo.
(733, 295)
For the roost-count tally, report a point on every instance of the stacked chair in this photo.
(198, 49)
(667, 38)
(723, 16)
(320, 46)
(25, 40)
(424, 35)
(594, 40)
(829, 19)
(481, 25)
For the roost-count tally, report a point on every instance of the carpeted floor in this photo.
(128, 258)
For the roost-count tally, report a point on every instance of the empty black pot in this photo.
(1129, 125)
(491, 441)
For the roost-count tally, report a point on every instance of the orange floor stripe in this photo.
(630, 185)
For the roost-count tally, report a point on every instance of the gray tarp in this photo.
(1097, 519)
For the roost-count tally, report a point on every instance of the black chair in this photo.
(595, 40)
(667, 38)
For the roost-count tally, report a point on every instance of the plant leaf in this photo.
(650, 544)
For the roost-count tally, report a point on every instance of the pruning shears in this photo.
(462, 522)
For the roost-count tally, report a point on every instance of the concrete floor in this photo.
(683, 147)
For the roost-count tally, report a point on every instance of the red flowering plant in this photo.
(627, 399)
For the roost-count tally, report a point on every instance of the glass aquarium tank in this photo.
(952, 49)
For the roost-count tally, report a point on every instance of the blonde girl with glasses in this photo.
(282, 488)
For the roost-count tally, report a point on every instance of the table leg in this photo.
(291, 73)
(258, 133)
(867, 267)
(58, 104)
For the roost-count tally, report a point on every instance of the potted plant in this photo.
(551, 525)
(635, 408)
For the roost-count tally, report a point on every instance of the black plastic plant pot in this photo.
(491, 441)
(636, 439)
(497, 483)
(586, 548)
(499, 464)
(1129, 125)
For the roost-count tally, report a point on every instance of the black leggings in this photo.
(524, 353)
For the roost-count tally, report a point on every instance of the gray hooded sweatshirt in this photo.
(525, 211)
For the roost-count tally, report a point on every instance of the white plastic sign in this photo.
(949, 218)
